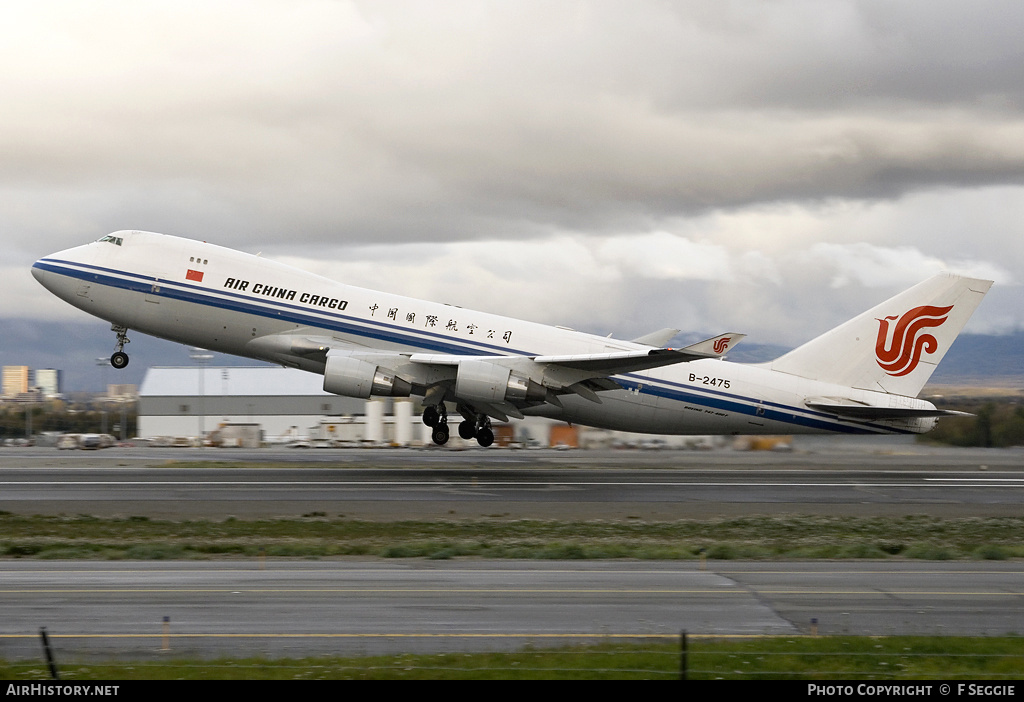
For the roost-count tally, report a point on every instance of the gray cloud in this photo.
(606, 165)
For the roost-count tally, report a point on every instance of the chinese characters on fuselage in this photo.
(334, 303)
(432, 320)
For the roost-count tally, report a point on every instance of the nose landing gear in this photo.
(120, 359)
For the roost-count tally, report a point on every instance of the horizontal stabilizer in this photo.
(859, 411)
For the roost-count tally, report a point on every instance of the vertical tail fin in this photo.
(895, 346)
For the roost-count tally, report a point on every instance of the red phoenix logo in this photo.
(722, 344)
(903, 352)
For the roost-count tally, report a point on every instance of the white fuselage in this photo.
(217, 298)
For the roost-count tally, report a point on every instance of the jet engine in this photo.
(489, 382)
(354, 377)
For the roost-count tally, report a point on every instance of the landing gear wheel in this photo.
(440, 434)
(467, 429)
(431, 416)
(485, 437)
(120, 359)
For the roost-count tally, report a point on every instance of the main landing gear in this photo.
(120, 359)
(479, 427)
(437, 420)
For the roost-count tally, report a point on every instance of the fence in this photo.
(683, 657)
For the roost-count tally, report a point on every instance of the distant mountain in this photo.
(975, 358)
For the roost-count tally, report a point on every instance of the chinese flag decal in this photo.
(194, 275)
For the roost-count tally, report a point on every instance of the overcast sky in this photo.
(764, 167)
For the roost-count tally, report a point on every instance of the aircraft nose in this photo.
(37, 270)
(52, 271)
(44, 272)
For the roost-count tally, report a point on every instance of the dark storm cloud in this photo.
(595, 143)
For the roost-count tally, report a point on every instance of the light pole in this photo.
(28, 420)
(104, 363)
(201, 357)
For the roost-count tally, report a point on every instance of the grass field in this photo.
(779, 658)
(320, 536)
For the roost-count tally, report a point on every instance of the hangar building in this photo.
(288, 404)
(193, 401)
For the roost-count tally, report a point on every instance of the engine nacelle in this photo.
(353, 377)
(489, 382)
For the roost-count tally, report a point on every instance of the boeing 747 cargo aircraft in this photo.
(862, 377)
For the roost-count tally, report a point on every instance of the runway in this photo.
(367, 607)
(388, 484)
(286, 608)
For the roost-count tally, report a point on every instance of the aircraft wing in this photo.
(657, 338)
(618, 362)
(496, 385)
(507, 383)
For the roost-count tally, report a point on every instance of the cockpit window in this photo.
(112, 239)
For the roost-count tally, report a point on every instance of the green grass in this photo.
(319, 536)
(789, 658)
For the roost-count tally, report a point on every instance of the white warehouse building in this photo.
(286, 404)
